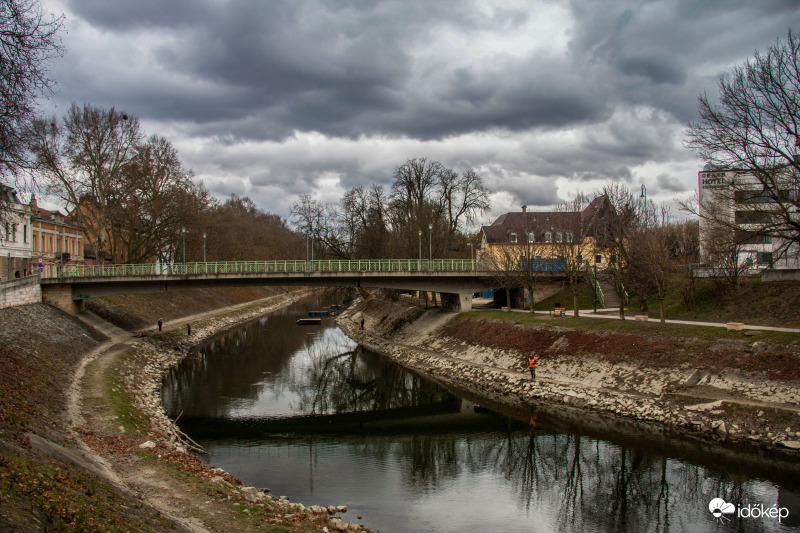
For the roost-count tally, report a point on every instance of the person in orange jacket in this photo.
(532, 365)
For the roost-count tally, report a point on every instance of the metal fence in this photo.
(265, 267)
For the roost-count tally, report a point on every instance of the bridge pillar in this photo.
(461, 302)
(61, 296)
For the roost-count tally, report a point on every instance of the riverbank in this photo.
(741, 392)
(97, 452)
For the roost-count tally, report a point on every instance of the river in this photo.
(304, 411)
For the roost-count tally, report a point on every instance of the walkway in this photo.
(589, 313)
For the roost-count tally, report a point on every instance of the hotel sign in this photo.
(713, 180)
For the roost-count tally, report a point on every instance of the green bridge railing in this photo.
(264, 267)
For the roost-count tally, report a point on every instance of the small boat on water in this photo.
(309, 321)
(319, 313)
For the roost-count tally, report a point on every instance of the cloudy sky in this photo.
(274, 99)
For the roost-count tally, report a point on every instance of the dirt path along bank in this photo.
(97, 453)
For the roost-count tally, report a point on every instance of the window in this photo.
(751, 217)
(613, 259)
(569, 236)
(512, 237)
(598, 258)
(559, 237)
(530, 237)
(764, 258)
(25, 233)
(548, 237)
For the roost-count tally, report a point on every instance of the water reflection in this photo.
(306, 413)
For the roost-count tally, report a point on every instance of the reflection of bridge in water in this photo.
(455, 279)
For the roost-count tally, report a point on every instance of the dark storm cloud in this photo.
(580, 92)
(342, 69)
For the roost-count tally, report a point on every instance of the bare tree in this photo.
(650, 258)
(85, 162)
(28, 42)
(570, 246)
(685, 248)
(154, 210)
(522, 264)
(617, 227)
(463, 198)
(753, 129)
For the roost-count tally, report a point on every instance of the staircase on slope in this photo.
(610, 298)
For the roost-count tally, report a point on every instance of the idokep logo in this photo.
(719, 508)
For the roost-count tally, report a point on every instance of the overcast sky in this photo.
(274, 99)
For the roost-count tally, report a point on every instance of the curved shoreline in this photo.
(147, 357)
(409, 340)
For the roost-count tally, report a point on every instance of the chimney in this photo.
(524, 208)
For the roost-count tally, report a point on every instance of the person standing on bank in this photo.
(362, 324)
(188, 329)
(532, 365)
(160, 323)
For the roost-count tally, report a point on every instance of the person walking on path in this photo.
(532, 365)
(160, 323)
(188, 329)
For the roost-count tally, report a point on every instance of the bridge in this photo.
(456, 279)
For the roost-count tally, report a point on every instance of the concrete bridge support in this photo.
(62, 296)
(461, 302)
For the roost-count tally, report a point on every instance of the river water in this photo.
(304, 411)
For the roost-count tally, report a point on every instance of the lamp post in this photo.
(204, 247)
(306, 252)
(419, 265)
(430, 246)
(643, 198)
(183, 235)
(470, 255)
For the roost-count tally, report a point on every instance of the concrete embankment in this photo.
(671, 383)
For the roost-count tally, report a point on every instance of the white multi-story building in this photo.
(743, 223)
(16, 241)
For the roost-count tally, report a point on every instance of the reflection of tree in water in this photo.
(593, 484)
(340, 380)
(225, 369)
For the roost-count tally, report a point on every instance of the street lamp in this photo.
(204, 247)
(419, 265)
(643, 198)
(470, 255)
(430, 246)
(183, 234)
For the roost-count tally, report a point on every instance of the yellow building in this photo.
(548, 236)
(56, 240)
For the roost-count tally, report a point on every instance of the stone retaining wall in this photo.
(20, 292)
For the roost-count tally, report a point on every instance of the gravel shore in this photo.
(734, 407)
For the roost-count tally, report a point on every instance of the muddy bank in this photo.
(672, 384)
(211, 500)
